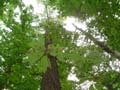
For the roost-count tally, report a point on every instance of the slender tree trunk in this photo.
(50, 80)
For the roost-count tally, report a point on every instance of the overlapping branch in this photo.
(104, 46)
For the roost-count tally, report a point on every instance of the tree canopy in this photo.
(42, 56)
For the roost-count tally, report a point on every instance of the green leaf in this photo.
(43, 64)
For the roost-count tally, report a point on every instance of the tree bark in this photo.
(50, 80)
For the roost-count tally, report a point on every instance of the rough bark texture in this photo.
(51, 78)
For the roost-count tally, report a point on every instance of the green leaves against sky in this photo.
(23, 59)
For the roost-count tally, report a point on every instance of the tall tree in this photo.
(102, 18)
(43, 56)
(55, 42)
(50, 79)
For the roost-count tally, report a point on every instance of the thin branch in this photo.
(104, 46)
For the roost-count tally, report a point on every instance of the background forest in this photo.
(37, 52)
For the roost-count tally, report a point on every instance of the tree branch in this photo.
(104, 46)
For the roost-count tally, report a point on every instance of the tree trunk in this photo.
(50, 79)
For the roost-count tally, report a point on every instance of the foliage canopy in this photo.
(23, 59)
